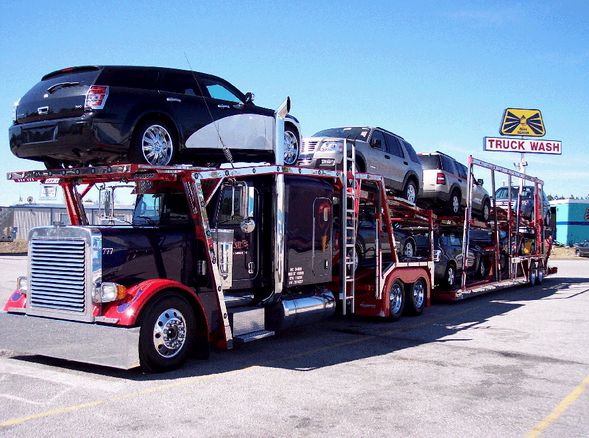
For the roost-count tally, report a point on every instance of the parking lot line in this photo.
(559, 410)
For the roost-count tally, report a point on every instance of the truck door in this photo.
(235, 210)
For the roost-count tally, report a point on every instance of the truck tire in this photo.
(416, 297)
(532, 273)
(396, 300)
(168, 333)
(539, 274)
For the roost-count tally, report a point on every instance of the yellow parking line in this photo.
(559, 410)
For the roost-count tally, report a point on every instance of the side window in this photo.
(462, 170)
(411, 152)
(394, 147)
(448, 164)
(129, 77)
(220, 92)
(180, 83)
(377, 141)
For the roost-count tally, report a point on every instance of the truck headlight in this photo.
(108, 292)
(22, 285)
(329, 146)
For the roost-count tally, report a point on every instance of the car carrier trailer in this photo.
(519, 249)
(214, 257)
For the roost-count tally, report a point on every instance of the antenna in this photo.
(226, 150)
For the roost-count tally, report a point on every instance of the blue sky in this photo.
(438, 73)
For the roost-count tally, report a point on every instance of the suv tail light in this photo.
(441, 178)
(96, 97)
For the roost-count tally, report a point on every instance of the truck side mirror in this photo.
(480, 182)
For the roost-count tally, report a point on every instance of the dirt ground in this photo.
(20, 247)
(14, 247)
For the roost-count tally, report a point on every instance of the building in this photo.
(27, 216)
(572, 220)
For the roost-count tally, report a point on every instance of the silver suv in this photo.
(378, 151)
(445, 183)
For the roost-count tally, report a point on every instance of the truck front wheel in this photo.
(167, 334)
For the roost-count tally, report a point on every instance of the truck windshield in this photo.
(162, 209)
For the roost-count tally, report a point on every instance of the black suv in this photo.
(151, 115)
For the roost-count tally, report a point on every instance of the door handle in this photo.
(173, 99)
(405, 163)
(387, 157)
(224, 106)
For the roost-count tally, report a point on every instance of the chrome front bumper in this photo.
(116, 347)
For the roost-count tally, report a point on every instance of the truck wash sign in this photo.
(522, 122)
(504, 144)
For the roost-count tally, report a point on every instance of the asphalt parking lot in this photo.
(513, 363)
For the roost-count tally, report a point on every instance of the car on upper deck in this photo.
(92, 115)
(527, 201)
(378, 151)
(445, 184)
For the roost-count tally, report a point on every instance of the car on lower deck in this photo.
(148, 115)
(449, 260)
(378, 151)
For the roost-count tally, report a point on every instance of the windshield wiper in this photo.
(56, 87)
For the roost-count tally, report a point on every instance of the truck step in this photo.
(254, 336)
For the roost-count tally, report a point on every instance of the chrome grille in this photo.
(309, 146)
(58, 274)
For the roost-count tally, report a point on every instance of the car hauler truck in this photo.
(511, 249)
(213, 257)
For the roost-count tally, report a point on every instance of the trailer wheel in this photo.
(540, 274)
(167, 334)
(416, 297)
(532, 273)
(396, 299)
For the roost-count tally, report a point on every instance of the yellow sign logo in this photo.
(518, 121)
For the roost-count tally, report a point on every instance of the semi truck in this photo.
(216, 257)
(212, 258)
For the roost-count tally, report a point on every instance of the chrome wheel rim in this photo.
(169, 333)
(396, 299)
(408, 252)
(450, 276)
(455, 204)
(157, 145)
(411, 193)
(418, 294)
(291, 148)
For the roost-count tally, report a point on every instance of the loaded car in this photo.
(147, 115)
(405, 244)
(377, 151)
(527, 201)
(445, 184)
(449, 260)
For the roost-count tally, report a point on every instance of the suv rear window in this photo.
(430, 161)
